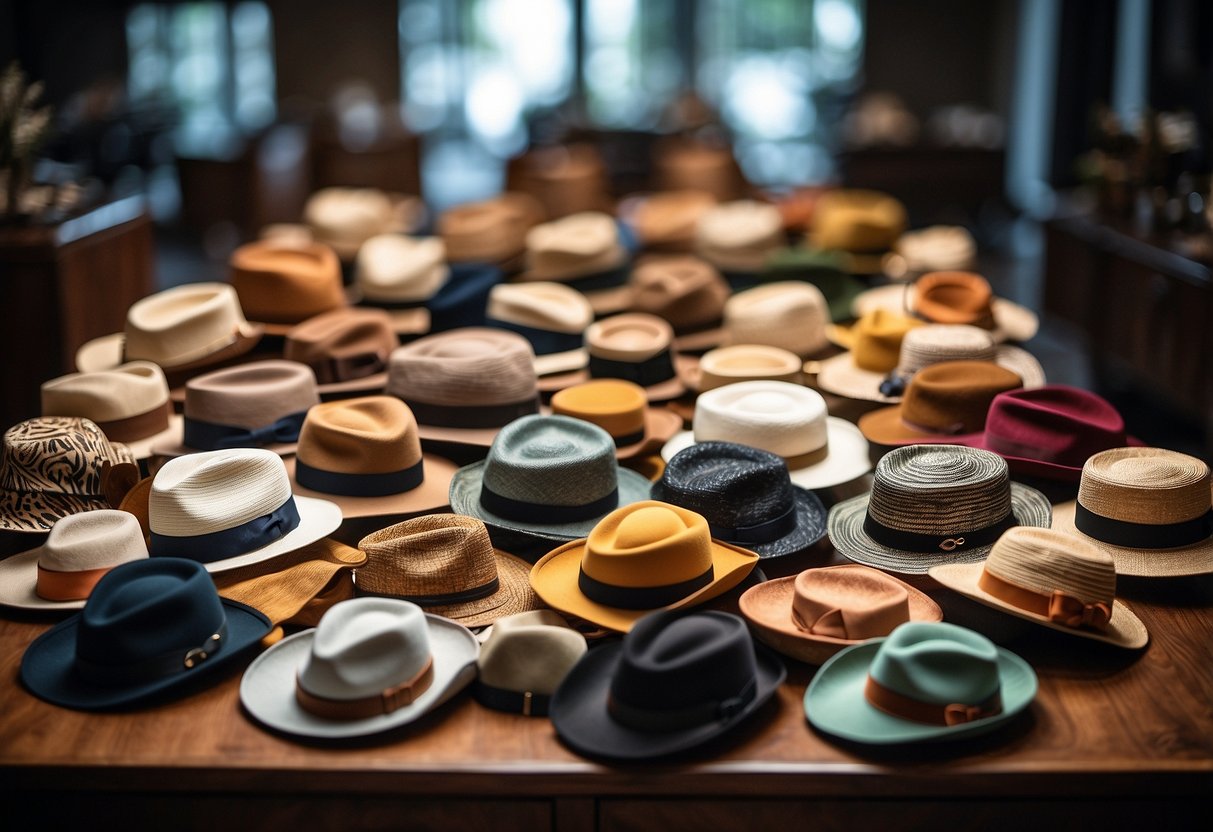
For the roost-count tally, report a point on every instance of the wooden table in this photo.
(1114, 739)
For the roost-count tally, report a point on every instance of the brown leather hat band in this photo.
(390, 700)
(903, 707)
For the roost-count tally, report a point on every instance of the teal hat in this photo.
(925, 681)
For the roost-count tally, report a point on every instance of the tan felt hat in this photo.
(789, 314)
(620, 408)
(524, 659)
(283, 285)
(399, 274)
(347, 349)
(738, 236)
(552, 316)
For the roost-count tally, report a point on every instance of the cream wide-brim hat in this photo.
(1013, 321)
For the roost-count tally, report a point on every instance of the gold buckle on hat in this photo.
(198, 655)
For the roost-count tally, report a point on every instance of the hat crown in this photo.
(849, 602)
(184, 323)
(785, 419)
(368, 435)
(955, 298)
(790, 314)
(741, 223)
(937, 663)
(586, 233)
(395, 267)
(631, 336)
(429, 556)
(615, 405)
(107, 395)
(937, 247)
(684, 290)
(877, 339)
(551, 307)
(99, 539)
(1048, 561)
(364, 646)
(1151, 486)
(469, 366)
(251, 395)
(213, 491)
(649, 543)
(731, 485)
(936, 343)
(552, 460)
(148, 608)
(954, 397)
(348, 212)
(530, 651)
(940, 489)
(58, 455)
(285, 283)
(342, 334)
(1055, 423)
(747, 362)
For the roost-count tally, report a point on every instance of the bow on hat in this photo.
(223, 437)
(959, 714)
(1071, 612)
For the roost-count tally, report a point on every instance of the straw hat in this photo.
(684, 291)
(927, 681)
(578, 246)
(365, 456)
(548, 477)
(1148, 508)
(465, 384)
(347, 350)
(80, 549)
(639, 558)
(941, 401)
(232, 508)
(565, 179)
(936, 343)
(621, 409)
(1053, 579)
(738, 236)
(667, 220)
(744, 362)
(746, 496)
(638, 348)
(671, 685)
(130, 403)
(551, 316)
(523, 661)
(789, 314)
(344, 218)
(371, 665)
(785, 419)
(933, 504)
(51, 467)
(823, 269)
(874, 345)
(151, 627)
(256, 405)
(936, 248)
(185, 329)
(954, 298)
(864, 223)
(680, 163)
(493, 230)
(814, 614)
(399, 274)
(283, 285)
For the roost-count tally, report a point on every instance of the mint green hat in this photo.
(924, 681)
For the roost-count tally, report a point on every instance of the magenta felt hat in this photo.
(1049, 431)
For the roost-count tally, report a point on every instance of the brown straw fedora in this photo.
(1049, 578)
(463, 385)
(639, 558)
(346, 348)
(364, 455)
(739, 236)
(283, 285)
(446, 564)
(685, 291)
(621, 409)
(399, 274)
(954, 298)
(666, 221)
(813, 615)
(1148, 508)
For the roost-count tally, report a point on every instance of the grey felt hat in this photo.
(551, 477)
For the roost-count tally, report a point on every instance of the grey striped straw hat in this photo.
(931, 505)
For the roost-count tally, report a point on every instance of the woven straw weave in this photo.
(936, 343)
(472, 366)
(1044, 560)
(434, 554)
(552, 460)
(1145, 485)
(929, 489)
(208, 492)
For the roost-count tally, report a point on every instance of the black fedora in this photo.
(149, 626)
(746, 496)
(675, 682)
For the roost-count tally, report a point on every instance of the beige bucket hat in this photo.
(399, 274)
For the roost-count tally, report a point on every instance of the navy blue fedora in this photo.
(149, 627)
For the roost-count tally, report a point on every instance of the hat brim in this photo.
(1124, 628)
(701, 341)
(48, 666)
(554, 578)
(662, 391)
(267, 690)
(19, 581)
(839, 375)
(26, 512)
(1012, 321)
(835, 702)
(580, 716)
(561, 362)
(1195, 559)
(609, 301)
(659, 426)
(1030, 507)
(106, 352)
(465, 499)
(768, 609)
(414, 320)
(431, 494)
(846, 459)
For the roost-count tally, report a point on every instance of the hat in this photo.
(672, 684)
(789, 314)
(80, 549)
(785, 419)
(564, 178)
(941, 401)
(638, 348)
(1049, 431)
(583, 249)
(463, 385)
(1050, 578)
(681, 162)
(493, 230)
(874, 345)
(936, 248)
(823, 269)
(365, 456)
(738, 236)
(551, 316)
(954, 298)
(925, 681)
(746, 497)
(463, 299)
(552, 477)
(52, 467)
(641, 557)
(370, 665)
(744, 362)
(446, 564)
(184, 329)
(1148, 508)
(686, 292)
(523, 661)
(933, 504)
(150, 626)
(130, 403)
(814, 614)
(620, 408)
(283, 285)
(862, 222)
(344, 218)
(399, 274)
(346, 348)
(256, 405)
(231, 508)
(667, 220)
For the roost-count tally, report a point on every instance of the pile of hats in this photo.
(588, 433)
